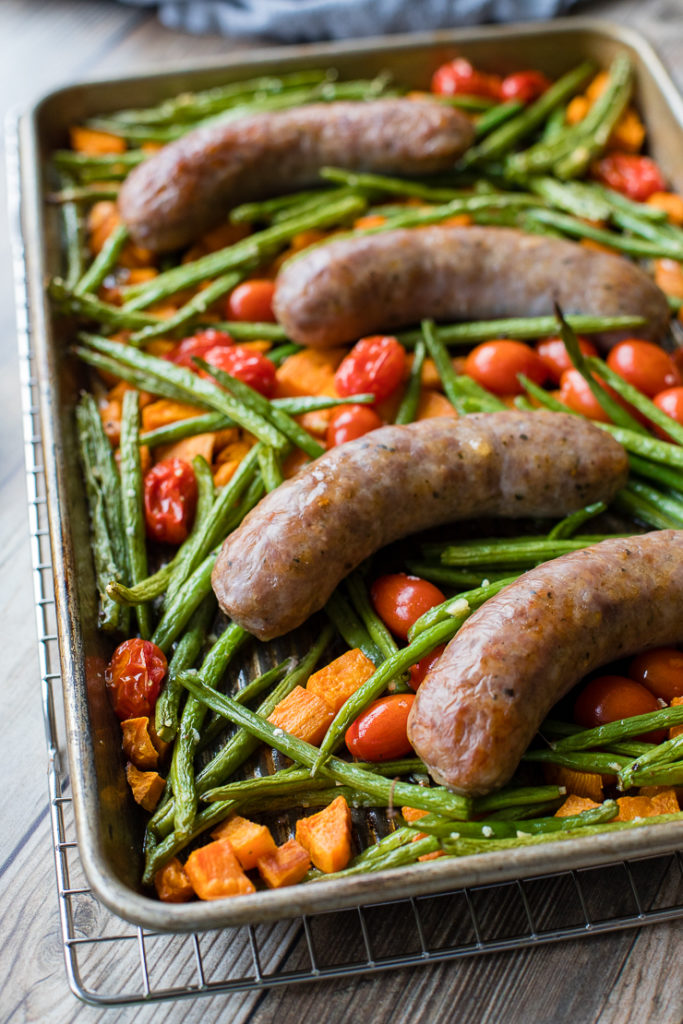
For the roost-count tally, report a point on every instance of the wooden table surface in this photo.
(629, 976)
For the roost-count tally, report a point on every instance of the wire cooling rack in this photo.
(110, 962)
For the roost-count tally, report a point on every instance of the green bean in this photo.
(666, 504)
(662, 775)
(502, 829)
(333, 195)
(185, 796)
(621, 729)
(196, 390)
(675, 303)
(522, 328)
(513, 552)
(378, 681)
(525, 810)
(271, 471)
(146, 590)
(265, 209)
(464, 101)
(312, 403)
(501, 141)
(555, 124)
(350, 627)
(661, 474)
(455, 386)
(631, 748)
(184, 562)
(256, 246)
(516, 796)
(496, 116)
(600, 121)
(453, 577)
(661, 755)
(68, 160)
(181, 429)
(282, 352)
(158, 854)
(405, 854)
(243, 330)
(568, 526)
(637, 399)
(437, 799)
(84, 194)
(248, 693)
(458, 608)
(601, 763)
(648, 229)
(574, 198)
(192, 309)
(92, 308)
(617, 201)
(186, 601)
(579, 229)
(394, 186)
(104, 262)
(407, 410)
(72, 231)
(260, 406)
(184, 657)
(639, 508)
(378, 632)
(133, 518)
(648, 447)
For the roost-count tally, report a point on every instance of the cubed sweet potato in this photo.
(586, 784)
(671, 202)
(676, 730)
(327, 836)
(249, 841)
(137, 743)
(575, 805)
(172, 884)
(200, 444)
(86, 140)
(163, 412)
(303, 714)
(215, 872)
(633, 807)
(287, 865)
(336, 682)
(309, 372)
(146, 787)
(433, 403)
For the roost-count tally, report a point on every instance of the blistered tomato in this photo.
(637, 177)
(644, 365)
(375, 366)
(400, 600)
(252, 368)
(170, 499)
(253, 301)
(133, 678)
(524, 86)
(424, 665)
(555, 358)
(670, 402)
(661, 671)
(496, 365)
(198, 345)
(348, 422)
(458, 76)
(380, 733)
(610, 698)
(575, 393)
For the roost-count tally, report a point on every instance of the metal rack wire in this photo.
(110, 962)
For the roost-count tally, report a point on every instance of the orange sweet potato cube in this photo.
(433, 403)
(137, 743)
(327, 836)
(575, 805)
(172, 884)
(200, 444)
(632, 807)
(86, 140)
(302, 714)
(310, 372)
(286, 865)
(215, 872)
(249, 841)
(336, 682)
(411, 814)
(676, 730)
(587, 784)
(146, 787)
(164, 411)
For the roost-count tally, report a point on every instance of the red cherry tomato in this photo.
(575, 393)
(348, 422)
(637, 177)
(661, 671)
(170, 495)
(252, 368)
(458, 76)
(496, 364)
(555, 357)
(400, 600)
(644, 365)
(425, 665)
(133, 678)
(524, 85)
(670, 402)
(609, 698)
(374, 365)
(198, 345)
(252, 300)
(380, 732)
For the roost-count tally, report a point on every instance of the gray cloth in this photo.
(310, 20)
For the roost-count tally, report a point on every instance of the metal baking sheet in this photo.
(108, 823)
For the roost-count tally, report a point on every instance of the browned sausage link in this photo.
(292, 550)
(478, 709)
(339, 292)
(191, 184)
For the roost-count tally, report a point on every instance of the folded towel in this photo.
(311, 20)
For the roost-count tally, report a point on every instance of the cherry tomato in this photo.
(348, 422)
(644, 365)
(380, 732)
(400, 600)
(375, 365)
(252, 368)
(637, 177)
(252, 300)
(661, 671)
(670, 402)
(198, 345)
(458, 76)
(575, 393)
(524, 85)
(170, 495)
(496, 364)
(423, 666)
(133, 678)
(555, 357)
(609, 698)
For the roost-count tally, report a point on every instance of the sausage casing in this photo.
(292, 550)
(189, 185)
(355, 286)
(480, 706)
